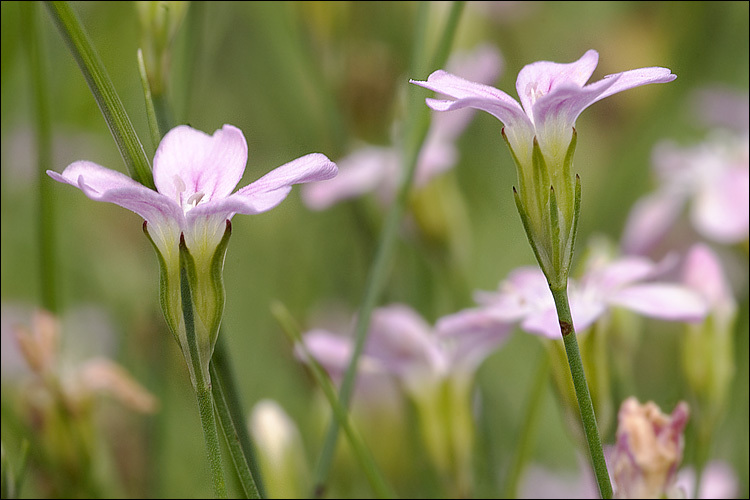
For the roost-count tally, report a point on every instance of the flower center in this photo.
(533, 92)
(192, 201)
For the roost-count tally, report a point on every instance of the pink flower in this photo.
(378, 168)
(195, 174)
(401, 343)
(624, 282)
(541, 136)
(648, 450)
(552, 96)
(711, 177)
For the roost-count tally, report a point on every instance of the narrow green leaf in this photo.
(34, 42)
(104, 92)
(231, 430)
(153, 125)
(374, 476)
(417, 124)
(222, 374)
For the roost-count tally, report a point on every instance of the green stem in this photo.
(153, 125)
(230, 412)
(585, 405)
(529, 424)
(202, 391)
(43, 133)
(104, 92)
(372, 472)
(416, 131)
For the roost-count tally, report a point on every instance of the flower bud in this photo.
(649, 449)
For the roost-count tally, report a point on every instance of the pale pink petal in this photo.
(359, 173)
(402, 340)
(721, 208)
(542, 77)
(703, 272)
(269, 190)
(190, 162)
(437, 156)
(331, 351)
(483, 65)
(103, 184)
(524, 292)
(543, 322)
(623, 271)
(635, 78)
(464, 93)
(650, 220)
(663, 301)
(555, 113)
(471, 335)
(584, 310)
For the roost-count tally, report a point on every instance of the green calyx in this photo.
(549, 204)
(206, 294)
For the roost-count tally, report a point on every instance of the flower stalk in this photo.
(585, 405)
(416, 131)
(202, 385)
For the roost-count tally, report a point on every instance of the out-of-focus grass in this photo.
(315, 76)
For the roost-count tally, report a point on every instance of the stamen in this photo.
(195, 199)
(180, 187)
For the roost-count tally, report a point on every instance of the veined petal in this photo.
(466, 94)
(541, 78)
(103, 184)
(269, 190)
(661, 300)
(555, 113)
(190, 162)
(635, 78)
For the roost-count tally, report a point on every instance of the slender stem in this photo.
(529, 424)
(202, 391)
(43, 133)
(229, 408)
(372, 472)
(585, 405)
(104, 91)
(153, 125)
(416, 131)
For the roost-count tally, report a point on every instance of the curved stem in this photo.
(585, 405)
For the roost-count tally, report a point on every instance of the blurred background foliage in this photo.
(300, 77)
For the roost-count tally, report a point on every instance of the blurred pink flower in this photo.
(378, 168)
(712, 177)
(718, 480)
(401, 343)
(648, 451)
(623, 282)
(702, 271)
